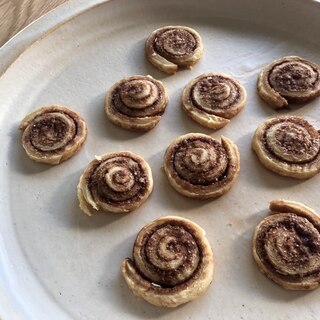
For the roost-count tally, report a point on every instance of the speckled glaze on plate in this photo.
(57, 263)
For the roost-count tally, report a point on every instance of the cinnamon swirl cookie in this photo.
(115, 182)
(52, 134)
(200, 167)
(136, 103)
(289, 146)
(173, 47)
(289, 79)
(172, 262)
(212, 99)
(286, 245)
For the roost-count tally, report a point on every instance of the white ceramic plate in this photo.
(57, 263)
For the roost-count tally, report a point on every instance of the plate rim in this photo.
(11, 50)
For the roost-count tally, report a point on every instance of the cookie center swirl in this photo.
(293, 142)
(292, 246)
(175, 43)
(119, 179)
(220, 92)
(200, 162)
(139, 94)
(172, 256)
(199, 159)
(293, 77)
(52, 131)
(215, 93)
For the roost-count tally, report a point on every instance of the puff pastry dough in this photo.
(212, 99)
(200, 167)
(115, 182)
(136, 103)
(172, 262)
(286, 245)
(289, 146)
(289, 79)
(173, 47)
(52, 134)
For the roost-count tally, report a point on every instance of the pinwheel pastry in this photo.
(136, 103)
(172, 262)
(286, 245)
(212, 99)
(200, 167)
(289, 79)
(289, 146)
(173, 47)
(52, 134)
(115, 182)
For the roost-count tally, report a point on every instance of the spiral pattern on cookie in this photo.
(172, 260)
(287, 245)
(136, 103)
(212, 99)
(289, 79)
(115, 182)
(52, 134)
(171, 47)
(289, 146)
(198, 166)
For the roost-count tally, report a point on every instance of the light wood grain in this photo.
(16, 14)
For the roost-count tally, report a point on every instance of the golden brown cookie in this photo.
(200, 167)
(289, 146)
(212, 99)
(115, 182)
(286, 245)
(172, 262)
(136, 103)
(289, 79)
(173, 47)
(52, 134)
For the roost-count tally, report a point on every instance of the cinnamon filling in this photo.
(170, 253)
(117, 181)
(51, 132)
(293, 77)
(215, 95)
(139, 98)
(175, 43)
(200, 161)
(290, 246)
(292, 140)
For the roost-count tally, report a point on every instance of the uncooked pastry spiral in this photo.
(198, 166)
(172, 262)
(212, 99)
(136, 103)
(115, 182)
(173, 47)
(52, 134)
(289, 79)
(286, 245)
(289, 146)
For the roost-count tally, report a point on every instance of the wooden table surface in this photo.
(16, 14)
